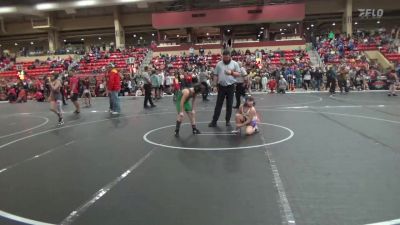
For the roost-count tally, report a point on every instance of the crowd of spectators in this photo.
(267, 71)
(92, 65)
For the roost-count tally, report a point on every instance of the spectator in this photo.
(39, 96)
(282, 85)
(393, 81)
(114, 86)
(22, 97)
(155, 82)
(342, 80)
(272, 85)
(331, 80)
(318, 79)
(12, 94)
(307, 79)
(264, 81)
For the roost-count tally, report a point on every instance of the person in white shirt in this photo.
(161, 81)
(129, 85)
(191, 51)
(168, 82)
(264, 81)
(282, 85)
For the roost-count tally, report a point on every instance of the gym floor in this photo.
(316, 160)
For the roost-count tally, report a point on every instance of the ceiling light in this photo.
(259, 36)
(298, 23)
(280, 29)
(284, 29)
(208, 34)
(8, 9)
(65, 40)
(85, 3)
(177, 35)
(32, 43)
(308, 28)
(355, 23)
(99, 38)
(312, 25)
(141, 38)
(229, 30)
(288, 24)
(282, 33)
(152, 34)
(15, 43)
(127, 1)
(261, 32)
(333, 24)
(82, 39)
(45, 6)
(262, 28)
(134, 35)
(378, 21)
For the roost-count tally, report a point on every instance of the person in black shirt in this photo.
(318, 79)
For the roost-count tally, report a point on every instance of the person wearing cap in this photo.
(114, 87)
(226, 72)
(240, 87)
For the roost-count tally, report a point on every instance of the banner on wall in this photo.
(370, 13)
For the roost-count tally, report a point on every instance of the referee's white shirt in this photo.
(223, 78)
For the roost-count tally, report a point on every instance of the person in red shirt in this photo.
(12, 94)
(272, 85)
(114, 87)
(22, 97)
(73, 86)
(39, 96)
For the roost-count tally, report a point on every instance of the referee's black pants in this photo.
(224, 92)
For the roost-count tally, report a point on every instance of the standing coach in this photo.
(225, 73)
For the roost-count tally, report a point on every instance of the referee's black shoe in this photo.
(212, 124)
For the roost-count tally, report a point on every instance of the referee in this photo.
(147, 88)
(225, 73)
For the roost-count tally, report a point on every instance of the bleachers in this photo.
(94, 64)
(179, 62)
(392, 57)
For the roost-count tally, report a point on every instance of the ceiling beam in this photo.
(40, 9)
